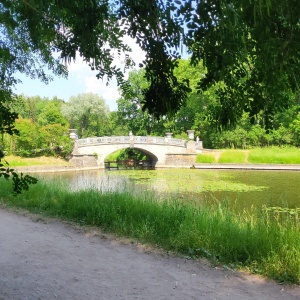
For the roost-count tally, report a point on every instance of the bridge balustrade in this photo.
(141, 139)
(177, 142)
(136, 139)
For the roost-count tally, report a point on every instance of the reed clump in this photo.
(266, 241)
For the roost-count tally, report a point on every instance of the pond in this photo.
(242, 187)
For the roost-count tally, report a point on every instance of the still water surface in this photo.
(243, 187)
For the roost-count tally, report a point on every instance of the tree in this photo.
(32, 30)
(88, 113)
(130, 113)
(196, 102)
(55, 140)
(251, 47)
(295, 127)
(51, 114)
(29, 138)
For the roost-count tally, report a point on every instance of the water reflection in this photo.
(82, 180)
(245, 188)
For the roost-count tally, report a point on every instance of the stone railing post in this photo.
(168, 137)
(131, 139)
(73, 136)
(191, 144)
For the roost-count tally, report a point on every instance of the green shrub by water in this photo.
(263, 241)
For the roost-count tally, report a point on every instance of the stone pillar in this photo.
(168, 137)
(73, 136)
(191, 144)
(191, 147)
(131, 139)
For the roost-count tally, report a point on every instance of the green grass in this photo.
(262, 241)
(275, 155)
(206, 158)
(113, 156)
(272, 155)
(17, 161)
(233, 156)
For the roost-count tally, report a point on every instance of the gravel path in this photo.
(48, 259)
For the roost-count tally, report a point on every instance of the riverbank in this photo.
(272, 155)
(43, 258)
(254, 159)
(207, 166)
(274, 167)
(262, 240)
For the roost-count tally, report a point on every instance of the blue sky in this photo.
(80, 80)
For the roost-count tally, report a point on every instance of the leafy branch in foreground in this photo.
(21, 182)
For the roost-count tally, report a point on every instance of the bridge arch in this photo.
(163, 150)
(152, 156)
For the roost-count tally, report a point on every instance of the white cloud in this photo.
(98, 86)
(83, 75)
(81, 79)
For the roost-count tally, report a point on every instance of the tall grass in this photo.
(233, 156)
(263, 241)
(275, 155)
(272, 155)
(206, 158)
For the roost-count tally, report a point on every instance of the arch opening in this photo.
(130, 158)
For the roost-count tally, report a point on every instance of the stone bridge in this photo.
(162, 151)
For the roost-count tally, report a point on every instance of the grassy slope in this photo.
(262, 241)
(15, 161)
(272, 155)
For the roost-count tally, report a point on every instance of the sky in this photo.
(81, 79)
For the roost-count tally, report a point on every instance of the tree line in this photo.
(43, 123)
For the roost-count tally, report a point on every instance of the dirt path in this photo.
(47, 259)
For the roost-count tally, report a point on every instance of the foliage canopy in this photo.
(253, 47)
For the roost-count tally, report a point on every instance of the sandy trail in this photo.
(47, 259)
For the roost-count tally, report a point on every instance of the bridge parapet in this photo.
(104, 140)
(155, 140)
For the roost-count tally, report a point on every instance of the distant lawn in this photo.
(17, 161)
(233, 156)
(206, 158)
(273, 155)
